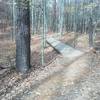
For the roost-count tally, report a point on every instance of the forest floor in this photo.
(58, 80)
(79, 80)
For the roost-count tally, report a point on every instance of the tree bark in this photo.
(23, 37)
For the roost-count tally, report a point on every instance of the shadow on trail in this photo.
(54, 74)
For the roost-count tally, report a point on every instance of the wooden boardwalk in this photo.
(64, 49)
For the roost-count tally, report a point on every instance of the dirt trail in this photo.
(60, 80)
(73, 82)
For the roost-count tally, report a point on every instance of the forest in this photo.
(49, 49)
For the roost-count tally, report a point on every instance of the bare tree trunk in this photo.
(23, 37)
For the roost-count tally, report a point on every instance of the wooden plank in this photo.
(64, 49)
